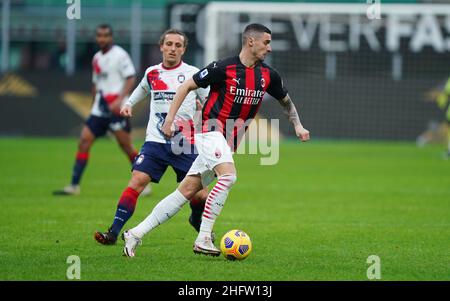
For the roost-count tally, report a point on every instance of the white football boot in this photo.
(131, 242)
(204, 245)
(68, 190)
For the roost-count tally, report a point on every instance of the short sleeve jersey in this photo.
(162, 83)
(109, 73)
(236, 94)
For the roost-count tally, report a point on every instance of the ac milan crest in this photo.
(218, 153)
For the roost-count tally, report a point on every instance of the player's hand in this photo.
(126, 111)
(302, 133)
(168, 129)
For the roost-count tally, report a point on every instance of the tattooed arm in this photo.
(291, 112)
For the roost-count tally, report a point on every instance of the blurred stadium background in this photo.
(351, 76)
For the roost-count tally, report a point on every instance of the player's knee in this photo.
(189, 188)
(138, 182)
(228, 179)
(84, 144)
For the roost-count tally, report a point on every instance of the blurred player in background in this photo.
(237, 85)
(161, 82)
(444, 104)
(113, 78)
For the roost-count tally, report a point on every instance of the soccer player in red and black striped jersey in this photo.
(237, 86)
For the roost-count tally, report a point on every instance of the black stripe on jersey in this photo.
(217, 107)
(237, 107)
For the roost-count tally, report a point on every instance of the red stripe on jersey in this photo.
(229, 98)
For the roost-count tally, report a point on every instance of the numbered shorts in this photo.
(212, 150)
(154, 158)
(100, 125)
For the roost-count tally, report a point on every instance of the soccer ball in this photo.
(236, 245)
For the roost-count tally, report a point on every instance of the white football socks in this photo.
(164, 210)
(214, 203)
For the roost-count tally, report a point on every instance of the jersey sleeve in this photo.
(276, 88)
(94, 78)
(209, 75)
(94, 71)
(126, 67)
(144, 82)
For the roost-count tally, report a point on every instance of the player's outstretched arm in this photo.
(138, 94)
(182, 91)
(291, 112)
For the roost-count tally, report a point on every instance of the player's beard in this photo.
(105, 47)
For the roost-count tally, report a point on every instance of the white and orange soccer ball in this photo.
(236, 245)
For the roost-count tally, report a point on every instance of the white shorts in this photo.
(212, 150)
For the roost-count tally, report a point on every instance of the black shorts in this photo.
(100, 125)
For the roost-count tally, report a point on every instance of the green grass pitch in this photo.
(316, 215)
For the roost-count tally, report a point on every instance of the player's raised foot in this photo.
(68, 190)
(131, 242)
(206, 247)
(147, 190)
(105, 238)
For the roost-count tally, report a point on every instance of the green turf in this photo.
(316, 215)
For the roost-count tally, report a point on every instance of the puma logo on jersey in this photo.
(237, 80)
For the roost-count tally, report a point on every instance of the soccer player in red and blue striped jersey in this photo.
(237, 86)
